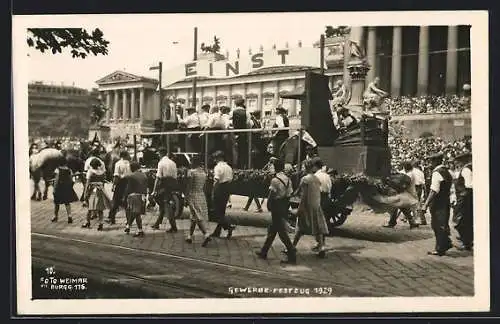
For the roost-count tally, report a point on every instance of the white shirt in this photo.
(166, 168)
(419, 177)
(411, 189)
(325, 181)
(226, 120)
(192, 121)
(122, 168)
(466, 173)
(86, 167)
(215, 120)
(223, 172)
(279, 121)
(436, 179)
(203, 118)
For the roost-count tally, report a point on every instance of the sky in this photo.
(140, 41)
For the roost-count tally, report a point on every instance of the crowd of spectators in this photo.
(427, 104)
(416, 149)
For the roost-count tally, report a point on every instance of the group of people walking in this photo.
(441, 201)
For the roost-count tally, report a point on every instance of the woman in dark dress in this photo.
(64, 194)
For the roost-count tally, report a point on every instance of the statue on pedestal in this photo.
(98, 113)
(373, 95)
(340, 94)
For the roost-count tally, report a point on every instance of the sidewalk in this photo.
(363, 254)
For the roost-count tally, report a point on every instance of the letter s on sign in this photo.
(190, 69)
(257, 60)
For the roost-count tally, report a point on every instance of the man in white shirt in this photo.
(122, 170)
(192, 123)
(438, 201)
(223, 176)
(409, 213)
(204, 115)
(464, 209)
(165, 184)
(419, 179)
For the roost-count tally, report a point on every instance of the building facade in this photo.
(50, 104)
(409, 60)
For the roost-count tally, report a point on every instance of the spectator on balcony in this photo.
(281, 122)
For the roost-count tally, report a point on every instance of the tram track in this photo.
(163, 266)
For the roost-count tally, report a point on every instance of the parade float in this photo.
(357, 158)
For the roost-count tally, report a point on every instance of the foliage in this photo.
(67, 125)
(81, 42)
(214, 48)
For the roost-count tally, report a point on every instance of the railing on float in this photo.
(226, 131)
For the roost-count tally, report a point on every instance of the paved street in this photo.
(365, 258)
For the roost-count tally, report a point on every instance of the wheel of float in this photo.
(177, 205)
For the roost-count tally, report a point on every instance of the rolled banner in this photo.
(39, 159)
(382, 204)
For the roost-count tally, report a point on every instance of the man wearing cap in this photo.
(438, 202)
(241, 120)
(223, 175)
(165, 184)
(281, 122)
(463, 211)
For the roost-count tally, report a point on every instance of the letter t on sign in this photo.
(190, 69)
(283, 53)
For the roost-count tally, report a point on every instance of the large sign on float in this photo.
(309, 57)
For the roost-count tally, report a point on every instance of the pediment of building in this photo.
(121, 77)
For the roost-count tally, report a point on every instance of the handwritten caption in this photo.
(316, 291)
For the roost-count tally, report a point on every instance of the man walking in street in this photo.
(464, 210)
(280, 191)
(165, 184)
(223, 175)
(438, 202)
(122, 170)
(135, 197)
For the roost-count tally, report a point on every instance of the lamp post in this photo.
(159, 67)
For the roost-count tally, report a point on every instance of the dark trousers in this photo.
(118, 199)
(440, 218)
(166, 208)
(242, 157)
(168, 185)
(406, 211)
(420, 190)
(221, 197)
(249, 202)
(463, 218)
(278, 226)
(194, 141)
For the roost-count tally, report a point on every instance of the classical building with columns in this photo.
(409, 60)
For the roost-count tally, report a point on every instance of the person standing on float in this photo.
(438, 202)
(241, 119)
(464, 209)
(281, 122)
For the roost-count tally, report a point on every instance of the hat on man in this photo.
(239, 102)
(436, 156)
(280, 109)
(218, 155)
(205, 107)
(464, 156)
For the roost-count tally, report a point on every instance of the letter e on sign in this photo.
(257, 60)
(190, 69)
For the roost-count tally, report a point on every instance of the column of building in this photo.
(397, 48)
(371, 53)
(452, 60)
(423, 61)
